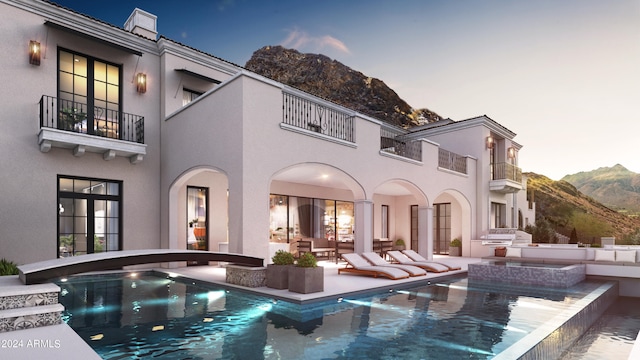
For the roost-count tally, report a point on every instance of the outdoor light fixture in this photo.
(511, 153)
(490, 142)
(141, 83)
(34, 52)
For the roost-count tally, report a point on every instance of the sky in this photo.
(563, 75)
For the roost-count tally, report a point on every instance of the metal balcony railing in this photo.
(452, 161)
(506, 171)
(392, 141)
(311, 115)
(78, 117)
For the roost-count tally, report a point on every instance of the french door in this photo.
(88, 216)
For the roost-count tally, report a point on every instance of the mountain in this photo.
(336, 82)
(615, 187)
(566, 208)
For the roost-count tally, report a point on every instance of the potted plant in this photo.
(306, 276)
(399, 245)
(455, 247)
(278, 272)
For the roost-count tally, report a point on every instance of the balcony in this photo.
(72, 125)
(392, 141)
(302, 112)
(505, 178)
(452, 161)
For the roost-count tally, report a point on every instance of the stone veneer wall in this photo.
(529, 275)
(246, 276)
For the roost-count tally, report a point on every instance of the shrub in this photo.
(307, 260)
(400, 242)
(456, 243)
(8, 268)
(283, 258)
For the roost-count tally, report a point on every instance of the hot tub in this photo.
(551, 275)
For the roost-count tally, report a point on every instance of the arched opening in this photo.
(451, 220)
(313, 202)
(198, 210)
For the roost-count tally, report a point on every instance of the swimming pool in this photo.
(149, 316)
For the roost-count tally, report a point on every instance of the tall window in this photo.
(499, 215)
(384, 221)
(89, 215)
(89, 95)
(441, 228)
(197, 216)
(414, 227)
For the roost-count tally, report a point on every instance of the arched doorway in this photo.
(198, 210)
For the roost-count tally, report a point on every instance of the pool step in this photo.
(28, 306)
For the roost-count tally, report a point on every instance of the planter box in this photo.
(455, 251)
(306, 280)
(500, 251)
(278, 276)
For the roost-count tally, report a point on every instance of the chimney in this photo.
(142, 23)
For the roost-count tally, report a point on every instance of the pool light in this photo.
(96, 337)
(157, 328)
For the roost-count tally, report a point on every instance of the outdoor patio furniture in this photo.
(427, 265)
(376, 260)
(417, 257)
(358, 265)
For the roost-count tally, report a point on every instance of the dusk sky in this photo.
(563, 75)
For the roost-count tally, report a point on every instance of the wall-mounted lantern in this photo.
(490, 142)
(141, 83)
(34, 52)
(511, 152)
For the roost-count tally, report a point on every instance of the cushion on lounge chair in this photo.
(427, 265)
(414, 255)
(376, 260)
(360, 265)
(417, 257)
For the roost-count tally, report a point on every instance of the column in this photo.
(363, 226)
(425, 231)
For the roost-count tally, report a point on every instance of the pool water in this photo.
(124, 317)
(612, 336)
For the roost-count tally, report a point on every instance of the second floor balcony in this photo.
(77, 126)
(505, 178)
(392, 141)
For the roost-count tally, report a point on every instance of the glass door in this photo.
(197, 218)
(88, 216)
(441, 228)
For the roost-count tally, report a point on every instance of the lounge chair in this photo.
(357, 265)
(427, 265)
(417, 257)
(376, 260)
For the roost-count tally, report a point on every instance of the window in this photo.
(189, 95)
(197, 217)
(384, 221)
(89, 216)
(498, 215)
(89, 95)
(293, 217)
(441, 228)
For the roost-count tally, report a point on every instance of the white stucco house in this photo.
(117, 139)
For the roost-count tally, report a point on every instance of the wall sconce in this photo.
(141, 83)
(34, 52)
(511, 152)
(490, 142)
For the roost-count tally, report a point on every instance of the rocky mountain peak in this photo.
(331, 80)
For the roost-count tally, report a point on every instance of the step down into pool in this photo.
(24, 307)
(113, 260)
